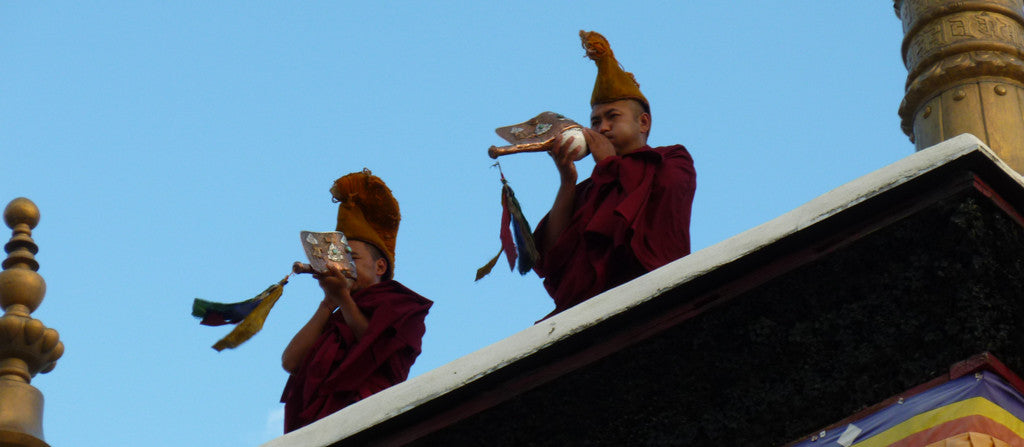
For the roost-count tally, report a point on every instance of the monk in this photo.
(365, 334)
(632, 215)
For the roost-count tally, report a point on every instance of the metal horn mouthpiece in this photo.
(299, 268)
(497, 151)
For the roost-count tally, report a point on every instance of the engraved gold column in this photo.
(26, 346)
(966, 74)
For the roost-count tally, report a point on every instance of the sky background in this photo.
(176, 149)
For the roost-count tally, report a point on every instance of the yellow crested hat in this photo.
(368, 212)
(613, 83)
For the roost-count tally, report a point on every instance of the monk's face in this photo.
(368, 269)
(623, 122)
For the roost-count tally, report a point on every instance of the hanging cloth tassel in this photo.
(528, 255)
(249, 315)
(516, 236)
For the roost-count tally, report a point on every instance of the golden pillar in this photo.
(26, 346)
(965, 73)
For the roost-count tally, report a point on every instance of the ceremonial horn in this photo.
(497, 151)
(538, 135)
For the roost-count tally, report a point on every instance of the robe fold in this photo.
(630, 217)
(340, 370)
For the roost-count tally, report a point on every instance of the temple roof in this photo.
(726, 342)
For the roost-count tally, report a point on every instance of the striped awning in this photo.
(975, 410)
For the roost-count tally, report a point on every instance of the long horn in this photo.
(497, 151)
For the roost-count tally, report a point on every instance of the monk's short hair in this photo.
(376, 253)
(644, 108)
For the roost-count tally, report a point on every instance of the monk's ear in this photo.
(645, 122)
(380, 267)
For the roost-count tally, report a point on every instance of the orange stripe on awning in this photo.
(970, 439)
(978, 424)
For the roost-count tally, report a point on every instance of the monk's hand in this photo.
(600, 146)
(335, 284)
(564, 160)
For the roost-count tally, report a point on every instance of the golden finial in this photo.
(27, 347)
(19, 282)
(964, 73)
(21, 211)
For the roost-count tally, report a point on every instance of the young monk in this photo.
(365, 334)
(632, 215)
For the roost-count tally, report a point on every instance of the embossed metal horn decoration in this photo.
(27, 347)
(965, 73)
(538, 135)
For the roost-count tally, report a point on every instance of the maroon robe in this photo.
(340, 370)
(630, 217)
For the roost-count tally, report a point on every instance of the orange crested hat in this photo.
(368, 212)
(613, 83)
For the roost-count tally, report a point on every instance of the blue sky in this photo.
(176, 149)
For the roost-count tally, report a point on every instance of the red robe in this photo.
(340, 370)
(630, 217)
